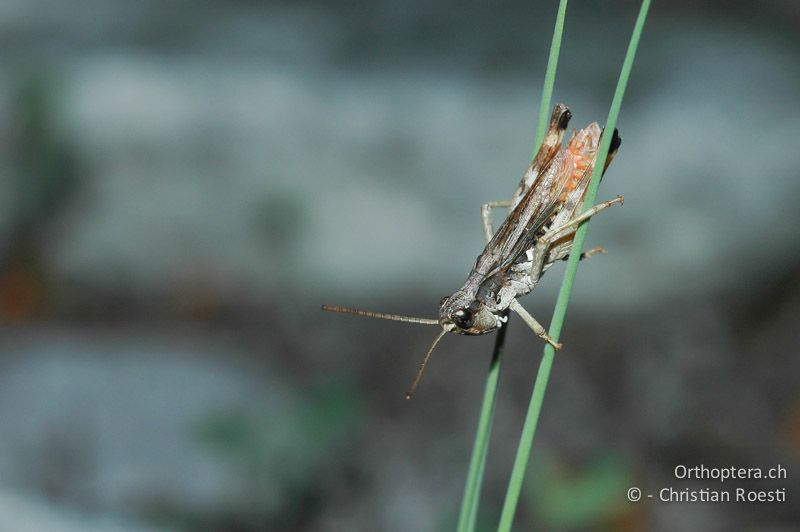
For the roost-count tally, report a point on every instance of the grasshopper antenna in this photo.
(381, 315)
(413, 387)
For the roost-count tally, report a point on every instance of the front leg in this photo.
(486, 215)
(537, 329)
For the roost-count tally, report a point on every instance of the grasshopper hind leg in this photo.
(571, 226)
(588, 254)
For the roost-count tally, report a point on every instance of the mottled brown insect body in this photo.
(544, 213)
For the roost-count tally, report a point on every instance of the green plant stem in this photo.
(556, 324)
(469, 504)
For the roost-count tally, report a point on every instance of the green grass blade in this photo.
(542, 377)
(469, 503)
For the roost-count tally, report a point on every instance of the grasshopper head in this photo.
(462, 314)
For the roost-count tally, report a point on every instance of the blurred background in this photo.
(182, 184)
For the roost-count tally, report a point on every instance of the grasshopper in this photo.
(544, 214)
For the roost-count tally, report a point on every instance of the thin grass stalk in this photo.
(556, 324)
(469, 504)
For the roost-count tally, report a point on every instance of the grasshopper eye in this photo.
(463, 318)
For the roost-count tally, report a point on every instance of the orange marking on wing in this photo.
(583, 147)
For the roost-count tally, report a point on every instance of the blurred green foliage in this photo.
(284, 449)
(565, 497)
